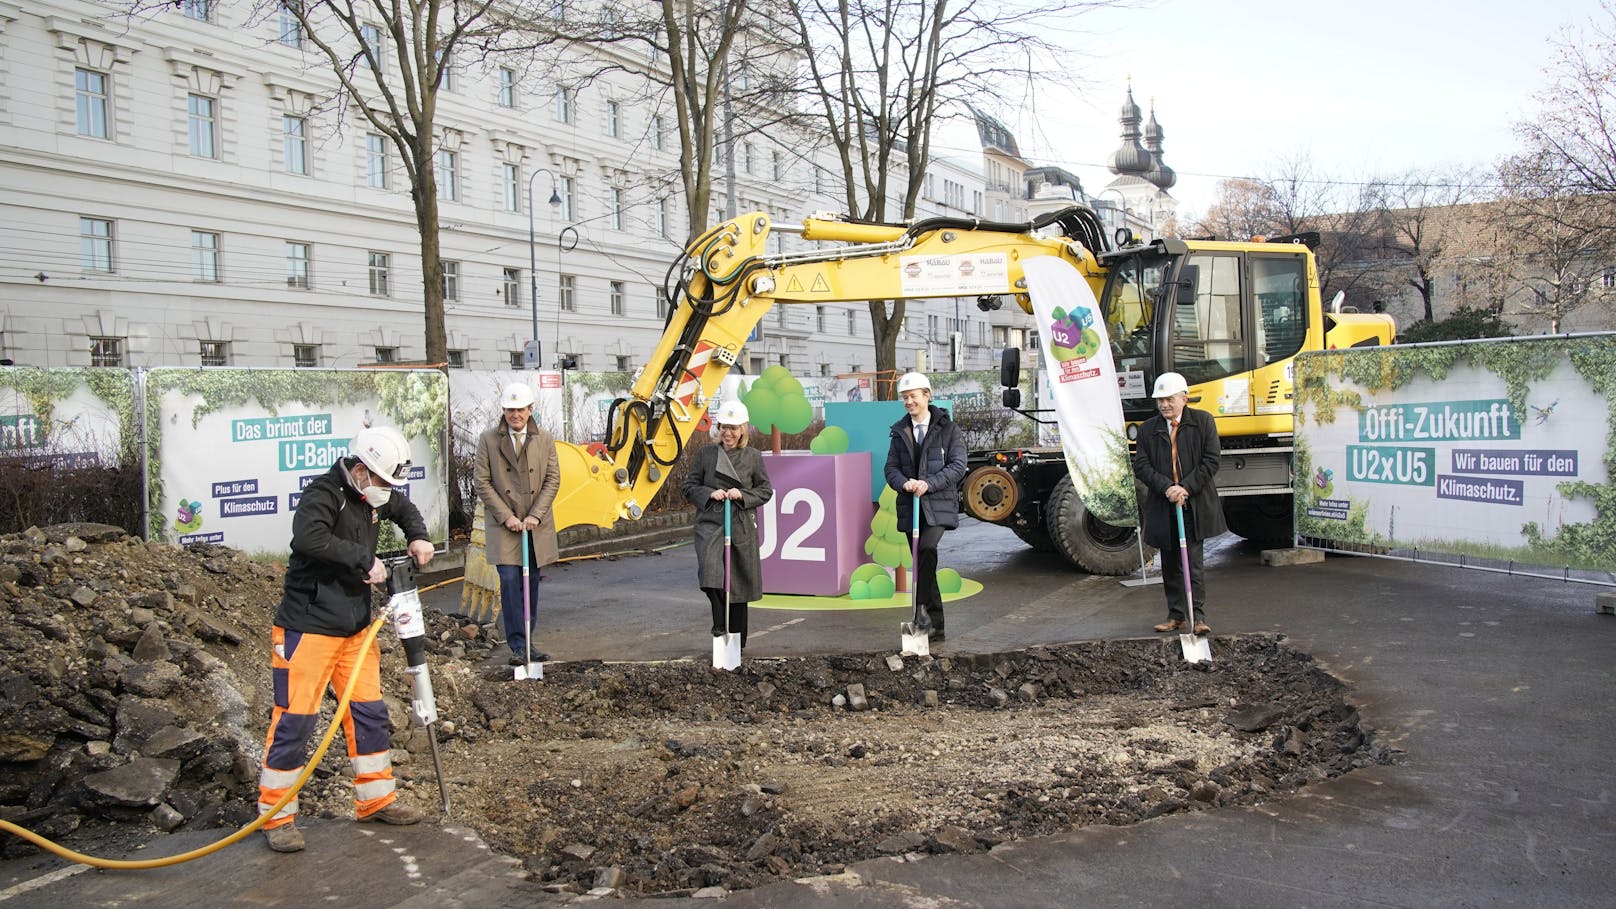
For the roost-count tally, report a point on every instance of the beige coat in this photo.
(523, 485)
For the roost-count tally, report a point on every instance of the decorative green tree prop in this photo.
(776, 402)
(832, 440)
(888, 545)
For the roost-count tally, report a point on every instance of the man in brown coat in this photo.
(518, 477)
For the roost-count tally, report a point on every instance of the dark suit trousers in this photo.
(1173, 580)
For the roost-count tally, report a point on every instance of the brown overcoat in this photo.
(521, 485)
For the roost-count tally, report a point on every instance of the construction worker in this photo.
(321, 622)
(1176, 459)
(732, 472)
(517, 476)
(926, 461)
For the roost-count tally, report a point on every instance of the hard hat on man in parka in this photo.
(516, 396)
(1169, 384)
(913, 380)
(733, 413)
(384, 452)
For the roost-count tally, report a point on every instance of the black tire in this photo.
(1264, 520)
(1034, 535)
(1087, 542)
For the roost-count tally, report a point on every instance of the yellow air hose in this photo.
(308, 770)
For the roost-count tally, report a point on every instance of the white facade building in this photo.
(177, 190)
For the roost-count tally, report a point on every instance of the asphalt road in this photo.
(1497, 690)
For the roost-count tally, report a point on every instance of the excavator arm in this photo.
(725, 283)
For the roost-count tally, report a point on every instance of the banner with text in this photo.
(1082, 381)
(1497, 449)
(230, 451)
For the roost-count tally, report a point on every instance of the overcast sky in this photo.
(1371, 86)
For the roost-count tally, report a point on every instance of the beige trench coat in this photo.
(523, 485)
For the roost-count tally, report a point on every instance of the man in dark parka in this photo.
(926, 459)
(1194, 434)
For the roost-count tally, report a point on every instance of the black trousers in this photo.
(1173, 580)
(737, 613)
(926, 593)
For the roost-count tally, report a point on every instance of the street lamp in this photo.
(532, 251)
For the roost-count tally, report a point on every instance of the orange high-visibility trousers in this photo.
(302, 668)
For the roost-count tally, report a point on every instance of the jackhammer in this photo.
(404, 603)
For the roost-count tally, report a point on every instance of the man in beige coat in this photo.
(518, 477)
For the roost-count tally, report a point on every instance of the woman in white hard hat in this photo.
(517, 477)
(926, 461)
(729, 471)
(320, 624)
(1176, 458)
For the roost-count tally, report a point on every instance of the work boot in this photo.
(398, 814)
(285, 838)
(1170, 625)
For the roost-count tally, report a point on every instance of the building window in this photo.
(297, 265)
(852, 322)
(780, 316)
(291, 29)
(616, 296)
(615, 212)
(819, 319)
(1031, 340)
(90, 99)
(778, 167)
(819, 180)
(614, 119)
(205, 256)
(378, 273)
(746, 156)
(1001, 336)
(95, 244)
(448, 175)
(563, 105)
(507, 87)
(305, 356)
(215, 353)
(785, 361)
(517, 360)
(106, 351)
(202, 119)
(755, 365)
(510, 187)
(457, 359)
(657, 141)
(567, 293)
(387, 355)
(295, 144)
(662, 217)
(661, 303)
(371, 35)
(1608, 279)
(451, 280)
(378, 161)
(824, 370)
(563, 188)
(511, 286)
(625, 364)
(200, 10)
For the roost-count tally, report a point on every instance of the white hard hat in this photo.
(384, 452)
(913, 380)
(1169, 384)
(733, 413)
(516, 396)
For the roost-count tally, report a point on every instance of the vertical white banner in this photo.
(1082, 383)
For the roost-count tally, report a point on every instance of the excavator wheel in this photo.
(1086, 541)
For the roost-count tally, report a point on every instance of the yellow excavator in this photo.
(1229, 316)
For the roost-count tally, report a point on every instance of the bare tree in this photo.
(1422, 225)
(879, 73)
(1243, 208)
(1575, 132)
(1554, 243)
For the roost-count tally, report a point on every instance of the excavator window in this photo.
(1129, 308)
(1207, 329)
(1280, 283)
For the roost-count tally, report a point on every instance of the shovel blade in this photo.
(1196, 649)
(913, 642)
(727, 652)
(530, 672)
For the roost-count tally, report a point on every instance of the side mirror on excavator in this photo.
(1184, 288)
(1010, 367)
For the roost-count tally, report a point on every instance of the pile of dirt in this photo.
(135, 695)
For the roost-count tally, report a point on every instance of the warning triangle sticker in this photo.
(821, 286)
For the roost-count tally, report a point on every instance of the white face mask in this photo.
(377, 496)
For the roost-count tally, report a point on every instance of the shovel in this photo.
(529, 671)
(914, 637)
(727, 649)
(1195, 647)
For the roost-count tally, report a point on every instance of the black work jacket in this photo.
(333, 546)
(1199, 456)
(942, 466)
